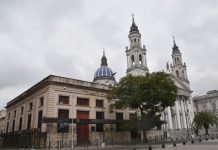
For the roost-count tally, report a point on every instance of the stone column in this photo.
(170, 124)
(178, 115)
(183, 113)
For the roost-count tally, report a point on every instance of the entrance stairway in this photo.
(181, 133)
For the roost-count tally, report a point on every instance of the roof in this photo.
(51, 79)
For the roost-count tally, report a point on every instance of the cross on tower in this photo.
(133, 16)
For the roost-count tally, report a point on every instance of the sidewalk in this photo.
(197, 145)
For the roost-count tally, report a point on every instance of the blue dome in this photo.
(103, 71)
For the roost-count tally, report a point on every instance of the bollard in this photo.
(206, 139)
(183, 142)
(174, 143)
(192, 141)
(149, 147)
(200, 140)
(49, 144)
(163, 145)
(212, 137)
(97, 144)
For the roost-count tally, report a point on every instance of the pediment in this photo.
(183, 88)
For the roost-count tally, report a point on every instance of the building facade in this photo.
(181, 115)
(207, 103)
(2, 121)
(50, 105)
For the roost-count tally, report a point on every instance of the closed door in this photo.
(83, 130)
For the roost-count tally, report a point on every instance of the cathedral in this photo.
(75, 111)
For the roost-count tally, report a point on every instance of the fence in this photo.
(24, 139)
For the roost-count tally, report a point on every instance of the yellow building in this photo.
(49, 106)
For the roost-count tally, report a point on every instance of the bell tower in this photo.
(178, 67)
(136, 54)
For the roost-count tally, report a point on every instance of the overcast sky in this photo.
(66, 38)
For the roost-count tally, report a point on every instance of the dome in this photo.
(104, 72)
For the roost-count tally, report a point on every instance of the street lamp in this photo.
(104, 84)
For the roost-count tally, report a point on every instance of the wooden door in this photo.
(82, 130)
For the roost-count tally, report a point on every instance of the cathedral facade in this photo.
(181, 115)
(76, 111)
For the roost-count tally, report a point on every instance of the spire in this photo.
(175, 47)
(103, 59)
(133, 21)
(134, 27)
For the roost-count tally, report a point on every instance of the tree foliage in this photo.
(150, 94)
(204, 119)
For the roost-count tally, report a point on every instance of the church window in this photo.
(175, 60)
(13, 125)
(29, 121)
(214, 107)
(138, 40)
(140, 59)
(9, 115)
(134, 40)
(21, 110)
(82, 101)
(131, 41)
(99, 127)
(64, 99)
(177, 73)
(63, 114)
(133, 60)
(20, 123)
(41, 101)
(204, 107)
(119, 116)
(15, 113)
(30, 106)
(99, 103)
(183, 73)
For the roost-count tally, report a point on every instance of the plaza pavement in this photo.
(205, 145)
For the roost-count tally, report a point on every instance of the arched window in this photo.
(177, 73)
(183, 73)
(131, 41)
(213, 107)
(175, 60)
(140, 59)
(134, 40)
(132, 60)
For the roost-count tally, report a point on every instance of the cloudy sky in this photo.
(66, 38)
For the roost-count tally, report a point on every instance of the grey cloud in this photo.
(66, 38)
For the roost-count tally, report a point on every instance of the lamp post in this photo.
(104, 84)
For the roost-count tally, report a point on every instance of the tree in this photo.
(204, 119)
(150, 94)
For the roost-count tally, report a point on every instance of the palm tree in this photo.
(204, 119)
